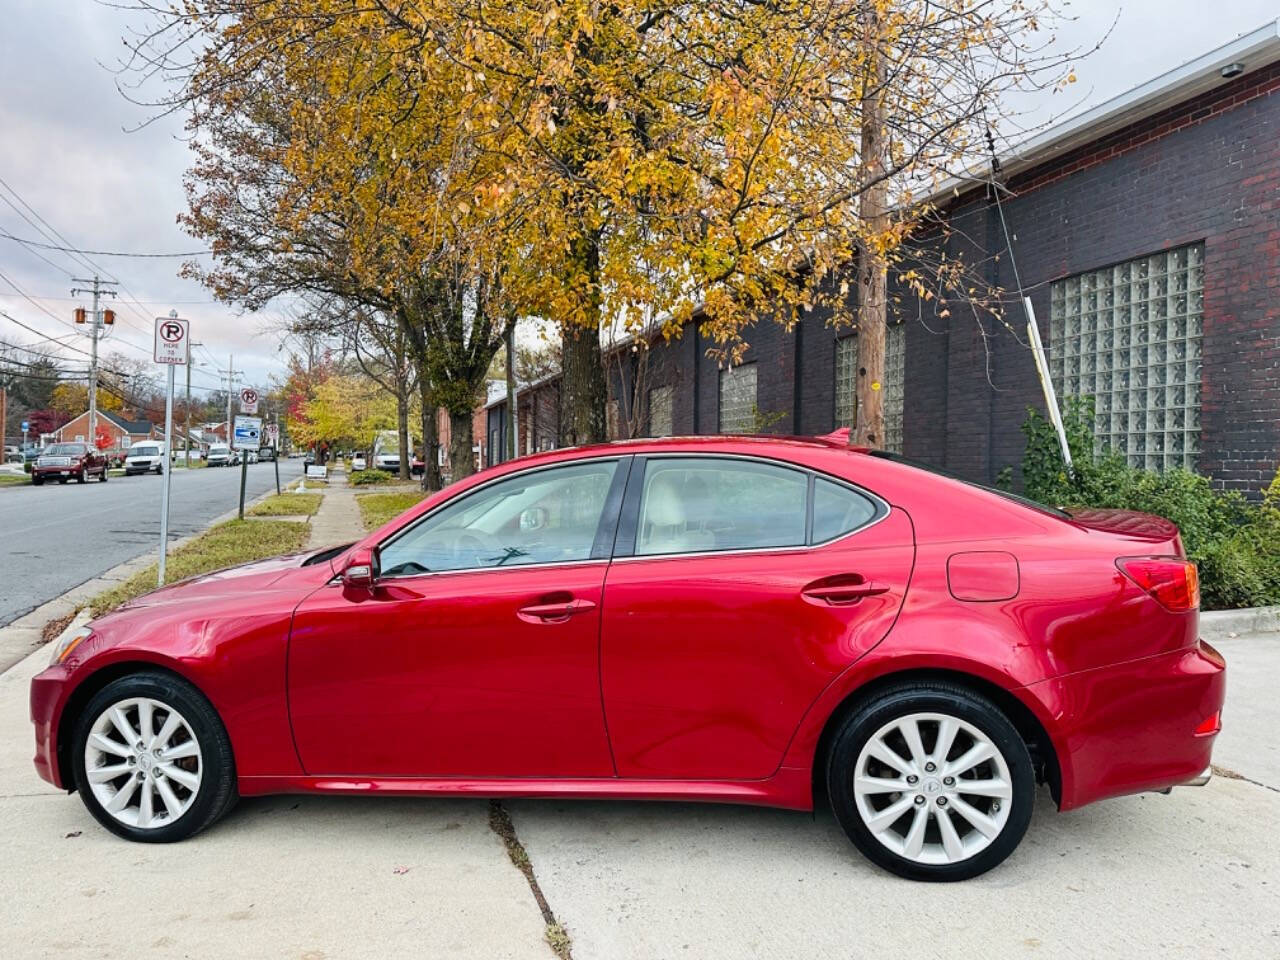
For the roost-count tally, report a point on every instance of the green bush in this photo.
(370, 478)
(1235, 544)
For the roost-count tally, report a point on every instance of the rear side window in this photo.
(838, 510)
(705, 504)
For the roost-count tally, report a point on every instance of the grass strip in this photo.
(288, 505)
(224, 545)
(377, 508)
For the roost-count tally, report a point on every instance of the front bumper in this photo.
(48, 693)
(1135, 727)
(43, 472)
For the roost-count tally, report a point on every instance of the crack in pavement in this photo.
(556, 936)
(1232, 775)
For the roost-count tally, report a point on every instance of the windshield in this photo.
(218, 448)
(1006, 494)
(65, 450)
(144, 451)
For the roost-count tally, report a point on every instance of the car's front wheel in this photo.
(152, 759)
(931, 781)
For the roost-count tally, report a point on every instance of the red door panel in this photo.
(490, 673)
(709, 662)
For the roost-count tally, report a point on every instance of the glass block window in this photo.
(661, 412)
(738, 399)
(1130, 337)
(895, 347)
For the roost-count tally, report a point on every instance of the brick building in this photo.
(118, 432)
(1147, 235)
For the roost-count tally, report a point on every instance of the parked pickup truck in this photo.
(62, 461)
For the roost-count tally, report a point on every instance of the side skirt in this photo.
(789, 788)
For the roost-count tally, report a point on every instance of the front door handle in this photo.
(842, 590)
(557, 612)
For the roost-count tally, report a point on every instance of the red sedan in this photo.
(750, 620)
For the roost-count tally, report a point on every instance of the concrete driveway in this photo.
(1194, 874)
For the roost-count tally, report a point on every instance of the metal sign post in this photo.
(246, 436)
(172, 348)
(1046, 384)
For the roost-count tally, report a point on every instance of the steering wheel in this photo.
(471, 548)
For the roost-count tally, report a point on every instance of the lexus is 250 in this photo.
(737, 619)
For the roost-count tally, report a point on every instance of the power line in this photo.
(44, 233)
(106, 253)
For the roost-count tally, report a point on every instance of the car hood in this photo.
(236, 585)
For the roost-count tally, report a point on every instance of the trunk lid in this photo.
(1149, 533)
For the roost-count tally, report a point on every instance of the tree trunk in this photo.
(583, 389)
(402, 426)
(872, 270)
(430, 439)
(461, 440)
(512, 413)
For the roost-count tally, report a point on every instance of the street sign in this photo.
(173, 345)
(25, 426)
(248, 433)
(248, 400)
(318, 472)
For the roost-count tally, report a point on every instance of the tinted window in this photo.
(837, 510)
(65, 450)
(546, 516)
(695, 505)
(144, 451)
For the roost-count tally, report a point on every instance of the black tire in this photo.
(929, 697)
(81, 477)
(37, 482)
(216, 793)
(63, 479)
(102, 478)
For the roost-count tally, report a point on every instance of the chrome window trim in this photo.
(615, 458)
(672, 455)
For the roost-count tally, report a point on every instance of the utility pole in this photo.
(187, 432)
(98, 289)
(230, 375)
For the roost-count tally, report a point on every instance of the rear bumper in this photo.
(1134, 727)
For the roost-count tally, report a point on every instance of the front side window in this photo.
(1130, 337)
(692, 505)
(738, 399)
(545, 516)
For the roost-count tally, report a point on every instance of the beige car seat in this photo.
(664, 524)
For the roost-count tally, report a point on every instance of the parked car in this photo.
(219, 455)
(780, 617)
(144, 458)
(357, 462)
(267, 453)
(417, 466)
(310, 459)
(63, 461)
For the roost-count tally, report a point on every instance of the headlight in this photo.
(62, 649)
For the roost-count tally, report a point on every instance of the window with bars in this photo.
(661, 411)
(1130, 337)
(895, 342)
(738, 399)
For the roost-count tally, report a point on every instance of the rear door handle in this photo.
(838, 591)
(557, 612)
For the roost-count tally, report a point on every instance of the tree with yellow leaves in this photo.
(599, 163)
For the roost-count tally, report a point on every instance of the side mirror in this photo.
(360, 572)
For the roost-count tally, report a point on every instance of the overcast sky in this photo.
(69, 148)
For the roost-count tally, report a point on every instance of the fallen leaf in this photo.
(399, 871)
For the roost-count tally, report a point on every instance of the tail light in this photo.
(1172, 581)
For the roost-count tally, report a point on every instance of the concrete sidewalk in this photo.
(338, 519)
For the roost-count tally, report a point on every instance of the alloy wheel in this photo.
(933, 788)
(143, 762)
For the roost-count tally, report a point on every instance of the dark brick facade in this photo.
(1206, 170)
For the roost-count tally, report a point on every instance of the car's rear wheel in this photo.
(931, 781)
(152, 760)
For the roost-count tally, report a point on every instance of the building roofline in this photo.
(1256, 49)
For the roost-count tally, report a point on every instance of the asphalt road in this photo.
(57, 536)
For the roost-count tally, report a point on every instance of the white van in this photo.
(144, 457)
(219, 455)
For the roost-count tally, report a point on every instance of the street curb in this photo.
(25, 634)
(1232, 624)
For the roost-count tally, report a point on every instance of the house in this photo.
(1146, 233)
(116, 434)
